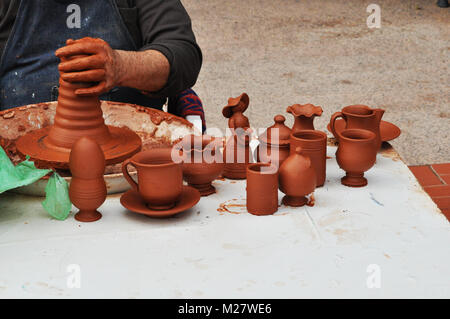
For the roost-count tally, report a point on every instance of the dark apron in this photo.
(29, 68)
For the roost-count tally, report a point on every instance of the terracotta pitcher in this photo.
(360, 117)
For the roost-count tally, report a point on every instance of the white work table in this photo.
(389, 234)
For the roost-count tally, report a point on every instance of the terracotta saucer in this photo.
(388, 130)
(133, 202)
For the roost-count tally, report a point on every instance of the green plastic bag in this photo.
(24, 173)
(57, 202)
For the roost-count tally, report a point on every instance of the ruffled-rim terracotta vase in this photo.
(304, 115)
(202, 162)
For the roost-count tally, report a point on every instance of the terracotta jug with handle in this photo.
(360, 117)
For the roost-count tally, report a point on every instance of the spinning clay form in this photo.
(87, 189)
(77, 116)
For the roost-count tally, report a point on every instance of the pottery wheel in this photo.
(122, 145)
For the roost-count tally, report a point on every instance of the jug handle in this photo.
(127, 176)
(333, 120)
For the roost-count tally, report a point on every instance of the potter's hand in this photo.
(99, 63)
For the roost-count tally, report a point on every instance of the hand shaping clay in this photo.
(87, 188)
(77, 116)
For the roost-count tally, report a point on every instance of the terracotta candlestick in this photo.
(359, 117)
(274, 143)
(203, 162)
(297, 178)
(314, 145)
(262, 189)
(304, 116)
(87, 189)
(356, 154)
(77, 116)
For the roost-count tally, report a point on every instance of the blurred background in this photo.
(322, 52)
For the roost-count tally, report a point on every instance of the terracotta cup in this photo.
(356, 154)
(262, 189)
(314, 145)
(160, 180)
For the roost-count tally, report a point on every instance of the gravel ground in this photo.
(322, 52)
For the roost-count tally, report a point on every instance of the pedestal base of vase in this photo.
(235, 171)
(122, 145)
(204, 189)
(88, 216)
(354, 180)
(294, 201)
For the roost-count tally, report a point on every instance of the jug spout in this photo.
(378, 114)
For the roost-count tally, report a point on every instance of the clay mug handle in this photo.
(127, 176)
(333, 120)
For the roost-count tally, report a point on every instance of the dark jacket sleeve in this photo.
(166, 27)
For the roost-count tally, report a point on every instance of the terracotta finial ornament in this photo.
(87, 188)
(203, 162)
(304, 116)
(234, 111)
(237, 153)
(356, 154)
(77, 116)
(297, 178)
(274, 142)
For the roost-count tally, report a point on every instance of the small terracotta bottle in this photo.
(297, 178)
(262, 189)
(87, 189)
(274, 143)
